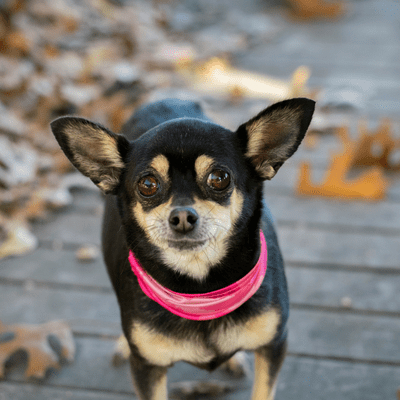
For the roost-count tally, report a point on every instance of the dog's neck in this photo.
(237, 263)
(204, 306)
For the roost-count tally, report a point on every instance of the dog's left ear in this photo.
(271, 137)
(94, 150)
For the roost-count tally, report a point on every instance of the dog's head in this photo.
(187, 186)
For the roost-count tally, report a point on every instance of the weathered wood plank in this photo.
(301, 377)
(68, 227)
(270, 58)
(322, 73)
(333, 334)
(307, 286)
(322, 211)
(344, 335)
(299, 48)
(350, 41)
(90, 200)
(339, 54)
(367, 291)
(306, 379)
(32, 391)
(301, 244)
(56, 266)
(94, 313)
(286, 181)
(93, 370)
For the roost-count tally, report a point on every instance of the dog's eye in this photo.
(218, 179)
(148, 185)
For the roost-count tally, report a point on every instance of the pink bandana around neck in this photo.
(204, 306)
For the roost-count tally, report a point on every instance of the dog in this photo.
(187, 237)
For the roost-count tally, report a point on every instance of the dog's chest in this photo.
(163, 350)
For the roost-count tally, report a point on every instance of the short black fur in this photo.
(180, 132)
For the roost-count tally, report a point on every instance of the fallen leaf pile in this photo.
(56, 58)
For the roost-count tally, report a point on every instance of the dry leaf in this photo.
(35, 341)
(369, 185)
(87, 253)
(19, 240)
(217, 76)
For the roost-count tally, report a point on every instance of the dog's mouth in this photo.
(186, 244)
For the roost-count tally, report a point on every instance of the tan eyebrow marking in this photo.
(202, 164)
(161, 165)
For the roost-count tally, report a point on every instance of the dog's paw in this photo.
(238, 366)
(45, 345)
(189, 390)
(121, 351)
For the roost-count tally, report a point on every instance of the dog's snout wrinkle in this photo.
(183, 219)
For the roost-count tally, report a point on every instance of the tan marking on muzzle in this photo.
(148, 220)
(216, 224)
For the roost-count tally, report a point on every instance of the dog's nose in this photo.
(183, 219)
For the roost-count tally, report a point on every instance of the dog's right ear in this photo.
(95, 151)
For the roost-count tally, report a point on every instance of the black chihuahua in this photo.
(187, 239)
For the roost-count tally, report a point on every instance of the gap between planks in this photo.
(328, 266)
(351, 360)
(345, 310)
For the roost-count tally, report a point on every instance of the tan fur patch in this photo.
(91, 145)
(216, 224)
(122, 350)
(202, 165)
(265, 170)
(160, 389)
(161, 165)
(162, 350)
(236, 206)
(154, 222)
(96, 142)
(109, 150)
(270, 138)
(262, 389)
(255, 333)
(274, 128)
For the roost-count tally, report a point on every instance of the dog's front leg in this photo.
(268, 362)
(150, 381)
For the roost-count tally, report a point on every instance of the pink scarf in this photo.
(204, 306)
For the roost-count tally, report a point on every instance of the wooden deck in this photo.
(342, 258)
